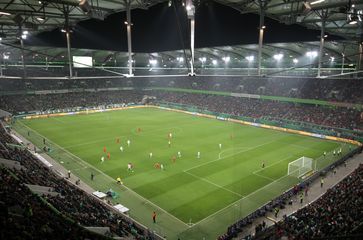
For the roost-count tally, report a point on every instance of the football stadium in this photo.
(181, 119)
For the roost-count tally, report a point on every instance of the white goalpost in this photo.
(300, 167)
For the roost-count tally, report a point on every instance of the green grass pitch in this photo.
(193, 196)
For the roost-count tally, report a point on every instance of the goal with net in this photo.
(300, 167)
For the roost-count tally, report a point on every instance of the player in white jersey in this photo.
(220, 146)
(128, 142)
(102, 159)
(198, 155)
(150, 155)
(121, 148)
(129, 167)
(179, 154)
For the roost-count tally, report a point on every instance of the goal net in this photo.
(300, 167)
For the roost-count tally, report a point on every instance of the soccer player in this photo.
(118, 180)
(154, 217)
(169, 143)
(263, 164)
(121, 148)
(150, 155)
(334, 152)
(179, 154)
(198, 155)
(128, 142)
(108, 156)
(220, 146)
(161, 166)
(173, 158)
(157, 165)
(138, 129)
(129, 167)
(102, 159)
(324, 154)
(104, 149)
(117, 140)
(170, 135)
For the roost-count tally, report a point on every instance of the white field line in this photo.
(239, 200)
(281, 160)
(91, 142)
(92, 167)
(219, 186)
(56, 119)
(77, 169)
(227, 156)
(228, 149)
(271, 179)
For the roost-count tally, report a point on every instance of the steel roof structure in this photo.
(336, 14)
(42, 15)
(338, 17)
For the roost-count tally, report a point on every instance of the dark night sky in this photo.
(157, 29)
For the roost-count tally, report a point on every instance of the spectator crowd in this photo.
(72, 202)
(334, 90)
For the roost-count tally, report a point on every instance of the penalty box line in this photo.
(233, 203)
(231, 155)
(104, 174)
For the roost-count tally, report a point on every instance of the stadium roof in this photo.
(310, 13)
(38, 16)
(41, 15)
(237, 53)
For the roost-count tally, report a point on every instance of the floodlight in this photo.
(215, 62)
(278, 57)
(153, 61)
(312, 54)
(23, 36)
(5, 13)
(295, 60)
(250, 58)
(84, 5)
(226, 59)
(202, 59)
(316, 2)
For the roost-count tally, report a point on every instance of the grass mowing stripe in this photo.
(92, 167)
(231, 155)
(240, 199)
(219, 186)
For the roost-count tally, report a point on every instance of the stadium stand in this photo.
(336, 90)
(81, 208)
(25, 216)
(338, 212)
